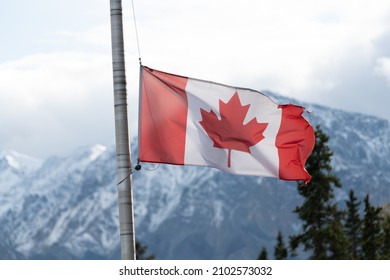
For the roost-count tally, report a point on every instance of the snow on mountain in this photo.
(13, 168)
(66, 208)
(20, 162)
(361, 147)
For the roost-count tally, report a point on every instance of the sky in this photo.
(56, 75)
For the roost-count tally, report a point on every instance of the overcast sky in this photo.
(55, 59)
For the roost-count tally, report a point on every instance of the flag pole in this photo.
(123, 163)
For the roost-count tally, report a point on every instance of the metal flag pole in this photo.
(123, 163)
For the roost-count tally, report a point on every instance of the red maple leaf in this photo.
(230, 132)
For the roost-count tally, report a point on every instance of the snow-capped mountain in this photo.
(13, 168)
(66, 208)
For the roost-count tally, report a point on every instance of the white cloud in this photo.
(52, 102)
(278, 43)
(383, 68)
(96, 37)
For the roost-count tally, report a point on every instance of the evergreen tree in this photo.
(353, 226)
(372, 237)
(263, 254)
(385, 252)
(338, 242)
(280, 252)
(322, 228)
(140, 252)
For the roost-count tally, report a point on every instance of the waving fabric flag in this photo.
(188, 121)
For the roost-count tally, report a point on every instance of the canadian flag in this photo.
(189, 121)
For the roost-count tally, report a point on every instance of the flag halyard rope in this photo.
(136, 32)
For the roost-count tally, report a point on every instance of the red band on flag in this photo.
(295, 141)
(163, 117)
